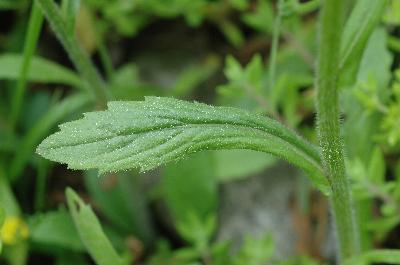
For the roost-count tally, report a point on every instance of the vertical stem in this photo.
(106, 60)
(34, 27)
(40, 187)
(76, 53)
(329, 126)
(275, 45)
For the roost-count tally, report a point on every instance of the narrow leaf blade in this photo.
(41, 70)
(91, 232)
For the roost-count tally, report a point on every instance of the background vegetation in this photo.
(257, 55)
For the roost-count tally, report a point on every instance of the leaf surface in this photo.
(91, 232)
(41, 70)
(146, 134)
(363, 20)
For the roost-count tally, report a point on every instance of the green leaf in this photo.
(190, 187)
(194, 75)
(2, 215)
(262, 19)
(255, 251)
(146, 134)
(41, 70)
(236, 164)
(233, 69)
(70, 9)
(11, 4)
(359, 27)
(2, 218)
(55, 229)
(376, 61)
(122, 201)
(91, 232)
(387, 256)
(377, 167)
(54, 115)
(196, 231)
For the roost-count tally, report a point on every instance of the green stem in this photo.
(275, 45)
(106, 61)
(77, 55)
(40, 187)
(329, 127)
(34, 27)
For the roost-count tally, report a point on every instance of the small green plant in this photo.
(149, 133)
(329, 107)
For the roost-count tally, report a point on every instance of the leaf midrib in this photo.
(192, 125)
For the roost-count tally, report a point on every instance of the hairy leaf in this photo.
(146, 134)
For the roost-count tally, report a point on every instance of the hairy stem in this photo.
(329, 126)
(76, 53)
(34, 27)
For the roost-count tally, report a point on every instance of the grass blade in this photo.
(91, 232)
(34, 27)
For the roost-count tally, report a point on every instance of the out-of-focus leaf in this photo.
(382, 226)
(71, 259)
(255, 251)
(7, 198)
(8, 141)
(301, 260)
(245, 84)
(11, 4)
(146, 134)
(239, 4)
(234, 164)
(91, 232)
(55, 229)
(359, 27)
(392, 15)
(189, 187)
(86, 30)
(374, 72)
(70, 10)
(126, 84)
(2, 218)
(262, 19)
(232, 32)
(35, 106)
(376, 61)
(56, 114)
(198, 231)
(377, 167)
(386, 256)
(2, 215)
(122, 200)
(41, 70)
(194, 75)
